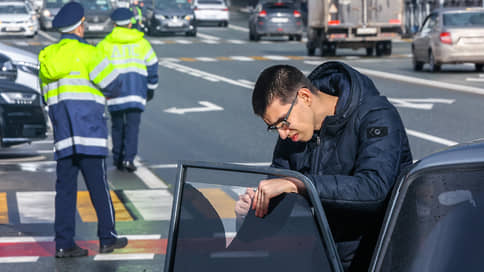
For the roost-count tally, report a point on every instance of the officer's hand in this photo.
(242, 205)
(271, 188)
(150, 94)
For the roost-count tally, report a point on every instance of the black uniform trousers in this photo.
(125, 130)
(93, 169)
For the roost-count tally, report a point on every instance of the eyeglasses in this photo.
(283, 124)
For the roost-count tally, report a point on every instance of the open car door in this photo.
(206, 235)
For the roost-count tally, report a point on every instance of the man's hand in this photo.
(270, 188)
(242, 205)
(149, 94)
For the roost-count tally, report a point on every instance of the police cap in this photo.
(122, 16)
(69, 17)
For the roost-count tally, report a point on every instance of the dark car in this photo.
(169, 16)
(433, 220)
(22, 116)
(276, 19)
(97, 13)
(48, 11)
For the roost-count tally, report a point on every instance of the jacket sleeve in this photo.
(102, 72)
(151, 62)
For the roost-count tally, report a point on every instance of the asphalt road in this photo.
(202, 111)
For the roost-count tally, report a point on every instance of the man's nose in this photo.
(283, 133)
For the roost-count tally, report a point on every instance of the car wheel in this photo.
(226, 23)
(417, 65)
(369, 51)
(479, 67)
(298, 38)
(434, 66)
(291, 38)
(256, 37)
(311, 51)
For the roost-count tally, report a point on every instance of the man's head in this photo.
(70, 19)
(289, 103)
(122, 17)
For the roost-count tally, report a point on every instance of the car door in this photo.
(422, 39)
(435, 219)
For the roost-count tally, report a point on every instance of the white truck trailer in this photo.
(370, 24)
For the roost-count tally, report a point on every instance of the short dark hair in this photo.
(278, 81)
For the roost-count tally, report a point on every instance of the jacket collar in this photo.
(73, 37)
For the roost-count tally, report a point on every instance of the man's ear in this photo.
(306, 96)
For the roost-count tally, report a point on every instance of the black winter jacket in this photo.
(357, 155)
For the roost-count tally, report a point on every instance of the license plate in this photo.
(95, 27)
(175, 23)
(366, 31)
(12, 28)
(280, 20)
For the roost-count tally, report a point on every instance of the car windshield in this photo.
(159, 4)
(278, 5)
(96, 5)
(55, 3)
(464, 19)
(211, 2)
(13, 9)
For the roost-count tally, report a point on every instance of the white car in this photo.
(17, 19)
(211, 12)
(20, 66)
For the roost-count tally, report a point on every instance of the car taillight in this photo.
(195, 8)
(395, 21)
(297, 14)
(446, 38)
(333, 22)
(225, 9)
(263, 13)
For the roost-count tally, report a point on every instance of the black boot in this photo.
(129, 165)
(119, 165)
(74, 251)
(119, 243)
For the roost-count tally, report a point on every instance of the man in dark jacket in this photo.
(335, 128)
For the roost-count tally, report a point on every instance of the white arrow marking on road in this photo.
(207, 106)
(419, 103)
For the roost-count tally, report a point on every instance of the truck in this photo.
(370, 24)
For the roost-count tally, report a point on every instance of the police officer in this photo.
(137, 19)
(136, 65)
(72, 73)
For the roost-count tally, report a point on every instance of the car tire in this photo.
(479, 67)
(256, 37)
(298, 38)
(417, 65)
(311, 51)
(369, 51)
(291, 37)
(226, 23)
(434, 66)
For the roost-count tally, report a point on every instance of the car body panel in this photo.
(17, 19)
(26, 63)
(211, 11)
(22, 116)
(463, 31)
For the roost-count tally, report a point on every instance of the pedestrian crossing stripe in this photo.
(3, 208)
(239, 58)
(88, 213)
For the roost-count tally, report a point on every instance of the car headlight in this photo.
(28, 67)
(46, 13)
(160, 17)
(188, 17)
(18, 97)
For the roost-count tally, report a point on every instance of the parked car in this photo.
(433, 220)
(22, 116)
(169, 16)
(97, 13)
(17, 19)
(450, 36)
(275, 19)
(19, 66)
(48, 11)
(211, 12)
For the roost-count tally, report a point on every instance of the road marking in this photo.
(207, 37)
(419, 103)
(151, 204)
(236, 41)
(221, 202)
(23, 259)
(238, 28)
(420, 81)
(246, 82)
(241, 58)
(205, 74)
(431, 138)
(36, 207)
(151, 180)
(206, 59)
(26, 239)
(47, 36)
(210, 41)
(142, 237)
(3, 208)
(272, 57)
(207, 106)
(125, 257)
(184, 41)
(88, 213)
(475, 79)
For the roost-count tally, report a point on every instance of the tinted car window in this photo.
(13, 9)
(440, 223)
(96, 5)
(169, 3)
(55, 3)
(209, 2)
(278, 6)
(211, 237)
(464, 19)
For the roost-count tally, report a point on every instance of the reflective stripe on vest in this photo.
(71, 89)
(126, 99)
(78, 140)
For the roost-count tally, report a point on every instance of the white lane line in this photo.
(183, 41)
(205, 74)
(163, 166)
(26, 239)
(124, 257)
(475, 79)
(205, 59)
(153, 205)
(210, 41)
(169, 59)
(272, 57)
(23, 259)
(431, 138)
(43, 142)
(142, 237)
(242, 58)
(36, 207)
(238, 28)
(425, 82)
(246, 82)
(151, 180)
(173, 165)
(47, 36)
(207, 37)
(236, 41)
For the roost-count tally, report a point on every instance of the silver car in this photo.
(17, 19)
(450, 36)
